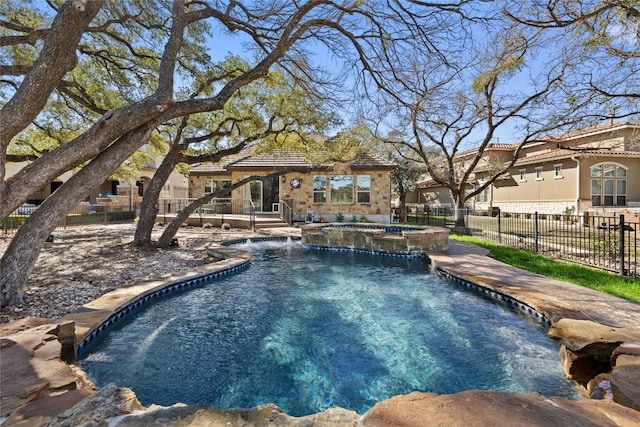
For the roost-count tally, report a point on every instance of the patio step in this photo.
(271, 224)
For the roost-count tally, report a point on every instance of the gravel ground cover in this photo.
(83, 263)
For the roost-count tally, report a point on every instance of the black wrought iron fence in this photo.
(82, 215)
(607, 242)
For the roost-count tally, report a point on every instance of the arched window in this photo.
(608, 185)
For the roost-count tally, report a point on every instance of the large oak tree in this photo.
(100, 77)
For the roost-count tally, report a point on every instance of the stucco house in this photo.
(360, 187)
(112, 194)
(127, 194)
(596, 169)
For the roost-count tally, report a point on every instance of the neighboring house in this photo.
(13, 168)
(127, 194)
(361, 187)
(117, 195)
(596, 169)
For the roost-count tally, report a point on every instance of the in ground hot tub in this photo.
(376, 237)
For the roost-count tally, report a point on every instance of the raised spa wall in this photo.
(396, 239)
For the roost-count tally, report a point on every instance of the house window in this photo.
(364, 189)
(523, 175)
(557, 171)
(484, 195)
(211, 185)
(342, 189)
(319, 189)
(539, 173)
(166, 189)
(608, 185)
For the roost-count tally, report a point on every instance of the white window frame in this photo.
(209, 182)
(557, 171)
(363, 192)
(320, 192)
(333, 190)
(523, 175)
(539, 176)
(601, 178)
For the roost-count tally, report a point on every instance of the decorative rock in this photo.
(626, 349)
(22, 325)
(118, 406)
(38, 412)
(588, 347)
(576, 334)
(600, 387)
(582, 366)
(485, 408)
(67, 337)
(108, 402)
(625, 381)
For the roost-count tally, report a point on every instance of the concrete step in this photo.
(271, 224)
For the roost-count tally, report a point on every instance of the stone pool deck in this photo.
(554, 298)
(595, 316)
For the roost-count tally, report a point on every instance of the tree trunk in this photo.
(403, 207)
(459, 212)
(18, 260)
(149, 207)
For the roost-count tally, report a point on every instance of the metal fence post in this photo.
(621, 227)
(535, 229)
(499, 228)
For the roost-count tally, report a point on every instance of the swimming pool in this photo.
(309, 330)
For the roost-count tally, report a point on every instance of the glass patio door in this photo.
(252, 193)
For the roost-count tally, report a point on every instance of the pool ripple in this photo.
(309, 330)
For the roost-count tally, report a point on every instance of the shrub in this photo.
(225, 226)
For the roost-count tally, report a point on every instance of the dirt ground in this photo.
(83, 263)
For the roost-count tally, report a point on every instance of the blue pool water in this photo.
(309, 330)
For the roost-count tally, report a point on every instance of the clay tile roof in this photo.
(564, 153)
(597, 129)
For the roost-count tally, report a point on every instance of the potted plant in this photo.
(339, 217)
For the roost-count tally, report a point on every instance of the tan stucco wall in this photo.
(549, 188)
(12, 168)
